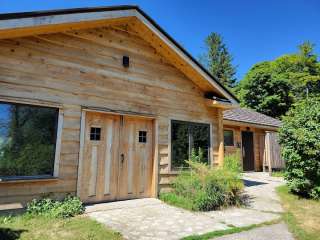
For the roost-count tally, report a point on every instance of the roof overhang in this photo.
(30, 23)
(247, 124)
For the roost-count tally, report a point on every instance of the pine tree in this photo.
(218, 60)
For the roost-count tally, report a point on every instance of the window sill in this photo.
(27, 179)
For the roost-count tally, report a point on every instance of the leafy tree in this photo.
(218, 60)
(271, 87)
(262, 91)
(300, 141)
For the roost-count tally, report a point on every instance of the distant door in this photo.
(247, 151)
(117, 160)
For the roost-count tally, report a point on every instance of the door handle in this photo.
(122, 158)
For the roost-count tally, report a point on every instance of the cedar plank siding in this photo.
(84, 68)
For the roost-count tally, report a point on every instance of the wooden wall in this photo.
(84, 68)
(258, 142)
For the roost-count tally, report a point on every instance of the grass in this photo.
(26, 227)
(301, 215)
(277, 174)
(177, 201)
(231, 230)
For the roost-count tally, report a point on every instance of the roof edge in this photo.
(239, 121)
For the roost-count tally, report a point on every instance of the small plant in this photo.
(232, 162)
(203, 188)
(5, 219)
(69, 207)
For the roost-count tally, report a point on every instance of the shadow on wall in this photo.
(10, 234)
(249, 183)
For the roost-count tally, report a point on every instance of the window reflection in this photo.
(27, 140)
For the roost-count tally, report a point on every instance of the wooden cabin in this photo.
(100, 103)
(253, 136)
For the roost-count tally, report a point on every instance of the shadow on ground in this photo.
(247, 199)
(10, 234)
(250, 183)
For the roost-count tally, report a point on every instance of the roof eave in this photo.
(244, 123)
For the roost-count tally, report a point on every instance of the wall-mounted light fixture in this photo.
(125, 61)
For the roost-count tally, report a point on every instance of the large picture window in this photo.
(27, 140)
(186, 136)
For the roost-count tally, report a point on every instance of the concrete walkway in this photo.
(152, 219)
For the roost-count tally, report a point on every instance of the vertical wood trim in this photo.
(58, 145)
(220, 138)
(131, 145)
(93, 171)
(155, 147)
(108, 156)
(268, 152)
(81, 151)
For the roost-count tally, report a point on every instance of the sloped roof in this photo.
(14, 22)
(250, 116)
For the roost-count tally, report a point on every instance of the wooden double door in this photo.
(117, 159)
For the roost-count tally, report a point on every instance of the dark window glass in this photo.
(186, 136)
(228, 137)
(95, 134)
(142, 136)
(27, 140)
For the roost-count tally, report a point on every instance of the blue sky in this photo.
(254, 30)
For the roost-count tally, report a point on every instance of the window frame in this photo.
(57, 150)
(233, 137)
(210, 157)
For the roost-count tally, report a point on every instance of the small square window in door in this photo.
(142, 136)
(95, 134)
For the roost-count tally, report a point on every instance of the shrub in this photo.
(232, 162)
(69, 207)
(300, 141)
(203, 188)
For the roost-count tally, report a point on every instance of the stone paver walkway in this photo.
(152, 219)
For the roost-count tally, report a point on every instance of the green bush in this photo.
(232, 162)
(300, 141)
(69, 207)
(203, 188)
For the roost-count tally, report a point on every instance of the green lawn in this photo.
(25, 227)
(301, 215)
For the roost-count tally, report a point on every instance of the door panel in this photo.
(101, 157)
(135, 170)
(117, 162)
(247, 151)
